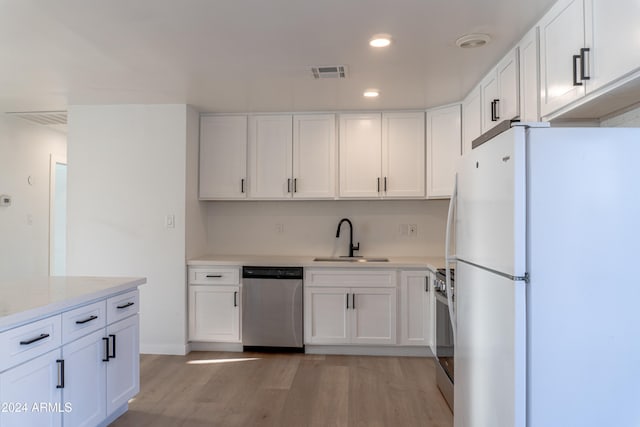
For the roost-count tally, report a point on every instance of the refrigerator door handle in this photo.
(450, 258)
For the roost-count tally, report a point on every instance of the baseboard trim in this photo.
(215, 346)
(365, 350)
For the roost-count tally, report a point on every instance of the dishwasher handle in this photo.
(279, 273)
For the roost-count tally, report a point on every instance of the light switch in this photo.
(170, 221)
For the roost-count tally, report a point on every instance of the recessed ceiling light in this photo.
(371, 93)
(473, 40)
(380, 40)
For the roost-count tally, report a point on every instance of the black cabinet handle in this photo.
(129, 304)
(426, 283)
(378, 184)
(295, 185)
(88, 319)
(575, 70)
(583, 61)
(235, 299)
(385, 184)
(242, 185)
(347, 301)
(288, 185)
(60, 363)
(106, 349)
(495, 109)
(113, 356)
(353, 301)
(214, 276)
(32, 340)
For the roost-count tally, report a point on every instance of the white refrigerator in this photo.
(547, 286)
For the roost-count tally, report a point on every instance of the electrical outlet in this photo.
(279, 228)
(413, 230)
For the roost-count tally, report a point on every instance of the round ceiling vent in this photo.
(473, 40)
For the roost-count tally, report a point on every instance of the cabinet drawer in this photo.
(214, 276)
(26, 342)
(350, 277)
(83, 320)
(122, 306)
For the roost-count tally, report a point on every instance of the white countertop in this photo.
(27, 300)
(431, 263)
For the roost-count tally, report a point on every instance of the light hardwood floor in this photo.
(258, 389)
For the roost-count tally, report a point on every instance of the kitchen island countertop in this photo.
(26, 300)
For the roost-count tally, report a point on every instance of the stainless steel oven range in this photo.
(444, 337)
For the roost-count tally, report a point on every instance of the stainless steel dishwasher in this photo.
(272, 308)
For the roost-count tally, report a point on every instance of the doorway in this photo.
(58, 217)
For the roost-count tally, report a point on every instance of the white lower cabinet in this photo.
(28, 388)
(123, 367)
(85, 380)
(415, 308)
(92, 373)
(214, 313)
(350, 307)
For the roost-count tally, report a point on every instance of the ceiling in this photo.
(249, 55)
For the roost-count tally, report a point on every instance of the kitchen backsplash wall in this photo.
(628, 119)
(309, 227)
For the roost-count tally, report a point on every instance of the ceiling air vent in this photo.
(45, 118)
(329, 72)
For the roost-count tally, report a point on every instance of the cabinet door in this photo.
(403, 154)
(326, 315)
(373, 316)
(529, 87)
(314, 156)
(561, 37)
(270, 157)
(32, 384)
(123, 368)
(85, 380)
(443, 150)
(489, 88)
(360, 155)
(415, 311)
(214, 313)
(471, 119)
(223, 157)
(508, 106)
(612, 35)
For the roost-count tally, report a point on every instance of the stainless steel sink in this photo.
(350, 259)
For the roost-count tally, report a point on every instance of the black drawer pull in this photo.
(426, 284)
(113, 356)
(88, 319)
(129, 304)
(235, 298)
(32, 340)
(347, 301)
(106, 349)
(60, 363)
(214, 276)
(576, 58)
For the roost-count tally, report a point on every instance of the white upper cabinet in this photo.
(471, 118)
(314, 156)
(360, 155)
(270, 156)
(382, 155)
(500, 92)
(403, 163)
(443, 149)
(223, 157)
(561, 41)
(529, 87)
(612, 35)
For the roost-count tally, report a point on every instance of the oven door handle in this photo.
(450, 258)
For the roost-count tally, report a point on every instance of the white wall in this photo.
(628, 119)
(310, 227)
(25, 151)
(127, 170)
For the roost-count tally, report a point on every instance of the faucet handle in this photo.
(356, 247)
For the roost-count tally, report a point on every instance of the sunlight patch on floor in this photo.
(214, 361)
